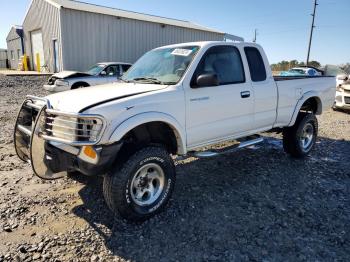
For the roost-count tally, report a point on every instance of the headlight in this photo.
(339, 88)
(60, 82)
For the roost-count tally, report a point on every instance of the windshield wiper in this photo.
(148, 79)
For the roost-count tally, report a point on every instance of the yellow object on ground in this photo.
(38, 62)
(25, 62)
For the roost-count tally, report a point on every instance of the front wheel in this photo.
(298, 140)
(142, 186)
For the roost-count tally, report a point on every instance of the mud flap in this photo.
(30, 147)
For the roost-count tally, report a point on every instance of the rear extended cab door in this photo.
(263, 86)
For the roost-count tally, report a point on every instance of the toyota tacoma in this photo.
(174, 100)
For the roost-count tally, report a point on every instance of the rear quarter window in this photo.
(256, 64)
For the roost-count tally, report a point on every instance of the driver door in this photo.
(214, 113)
(113, 73)
(109, 74)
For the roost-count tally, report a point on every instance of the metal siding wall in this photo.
(3, 58)
(3, 54)
(88, 38)
(44, 16)
(12, 34)
(14, 45)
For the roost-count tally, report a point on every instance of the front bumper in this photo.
(55, 88)
(59, 160)
(342, 99)
(37, 142)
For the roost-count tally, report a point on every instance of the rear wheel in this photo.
(142, 186)
(298, 140)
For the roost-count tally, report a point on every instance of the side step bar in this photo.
(250, 141)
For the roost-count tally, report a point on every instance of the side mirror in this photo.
(207, 80)
(103, 73)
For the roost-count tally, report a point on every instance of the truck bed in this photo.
(289, 93)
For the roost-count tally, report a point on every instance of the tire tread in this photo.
(290, 139)
(114, 181)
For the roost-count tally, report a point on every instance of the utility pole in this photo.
(255, 34)
(311, 32)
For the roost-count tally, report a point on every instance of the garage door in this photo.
(37, 47)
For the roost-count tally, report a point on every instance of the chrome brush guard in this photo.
(38, 123)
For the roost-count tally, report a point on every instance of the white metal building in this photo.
(15, 46)
(71, 35)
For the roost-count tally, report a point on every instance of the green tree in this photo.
(286, 65)
(314, 64)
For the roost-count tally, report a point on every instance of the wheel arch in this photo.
(310, 102)
(152, 118)
(80, 83)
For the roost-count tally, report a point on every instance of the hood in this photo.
(68, 74)
(74, 101)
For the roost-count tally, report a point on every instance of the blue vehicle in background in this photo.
(301, 71)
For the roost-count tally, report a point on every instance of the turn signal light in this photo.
(90, 152)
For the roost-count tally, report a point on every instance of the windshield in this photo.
(96, 69)
(162, 66)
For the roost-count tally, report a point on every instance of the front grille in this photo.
(347, 99)
(73, 128)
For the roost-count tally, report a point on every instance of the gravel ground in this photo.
(256, 204)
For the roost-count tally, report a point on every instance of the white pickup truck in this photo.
(173, 101)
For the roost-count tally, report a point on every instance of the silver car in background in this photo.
(98, 74)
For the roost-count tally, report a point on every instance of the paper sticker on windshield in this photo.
(182, 52)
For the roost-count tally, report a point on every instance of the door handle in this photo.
(245, 94)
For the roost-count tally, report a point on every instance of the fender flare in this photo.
(306, 96)
(122, 129)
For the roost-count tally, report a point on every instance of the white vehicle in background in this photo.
(340, 74)
(341, 78)
(174, 100)
(101, 73)
(342, 96)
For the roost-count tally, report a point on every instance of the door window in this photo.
(256, 64)
(112, 70)
(223, 61)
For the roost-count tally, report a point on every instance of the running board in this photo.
(243, 144)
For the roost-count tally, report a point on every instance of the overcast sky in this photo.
(283, 26)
